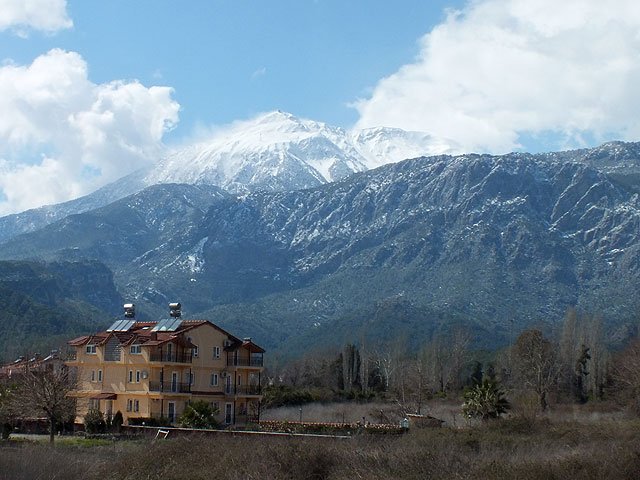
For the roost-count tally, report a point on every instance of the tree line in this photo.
(572, 364)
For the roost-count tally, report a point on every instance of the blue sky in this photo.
(92, 90)
(229, 60)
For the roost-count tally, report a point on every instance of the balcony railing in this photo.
(248, 390)
(245, 362)
(171, 358)
(174, 387)
(243, 390)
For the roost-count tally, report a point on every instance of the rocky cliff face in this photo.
(495, 242)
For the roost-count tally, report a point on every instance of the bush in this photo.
(117, 421)
(150, 421)
(6, 431)
(282, 395)
(199, 415)
(94, 422)
(485, 400)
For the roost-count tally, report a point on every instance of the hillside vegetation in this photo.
(45, 304)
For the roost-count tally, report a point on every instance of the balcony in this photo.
(243, 390)
(171, 357)
(248, 390)
(170, 387)
(245, 362)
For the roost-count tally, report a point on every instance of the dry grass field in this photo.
(574, 442)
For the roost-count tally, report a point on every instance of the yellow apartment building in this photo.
(154, 369)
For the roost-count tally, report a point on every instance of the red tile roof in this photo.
(140, 333)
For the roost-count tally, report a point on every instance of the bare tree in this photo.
(44, 391)
(626, 374)
(5, 413)
(535, 364)
(583, 357)
(444, 359)
(600, 359)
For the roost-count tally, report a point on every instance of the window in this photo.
(91, 349)
(215, 406)
(130, 376)
(137, 376)
(93, 375)
(195, 350)
(136, 406)
(216, 352)
(94, 404)
(129, 405)
(99, 375)
(214, 379)
(135, 349)
(192, 378)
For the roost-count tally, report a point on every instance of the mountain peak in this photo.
(279, 151)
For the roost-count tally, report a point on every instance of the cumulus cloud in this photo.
(20, 16)
(499, 71)
(62, 136)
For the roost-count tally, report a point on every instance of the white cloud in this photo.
(501, 69)
(260, 72)
(24, 15)
(62, 136)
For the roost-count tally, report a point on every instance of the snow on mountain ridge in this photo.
(275, 151)
(278, 150)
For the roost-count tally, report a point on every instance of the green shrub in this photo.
(199, 415)
(6, 431)
(283, 395)
(485, 400)
(117, 421)
(94, 422)
(150, 421)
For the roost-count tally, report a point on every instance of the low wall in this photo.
(152, 432)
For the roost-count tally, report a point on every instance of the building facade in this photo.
(155, 369)
(11, 371)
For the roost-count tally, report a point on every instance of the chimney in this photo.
(175, 310)
(129, 310)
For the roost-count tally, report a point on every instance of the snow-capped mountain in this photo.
(275, 151)
(490, 242)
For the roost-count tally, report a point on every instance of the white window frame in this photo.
(136, 405)
(130, 376)
(129, 405)
(135, 349)
(91, 349)
(93, 375)
(99, 375)
(215, 380)
(138, 375)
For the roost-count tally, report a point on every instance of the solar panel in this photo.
(121, 325)
(167, 325)
(114, 326)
